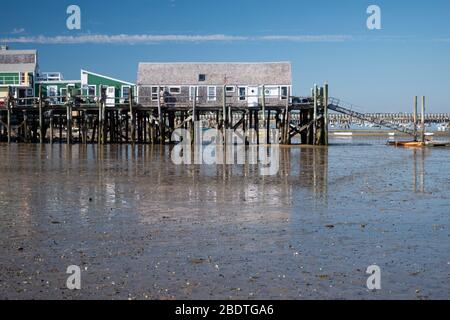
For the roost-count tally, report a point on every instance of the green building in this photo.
(97, 85)
(54, 87)
(19, 73)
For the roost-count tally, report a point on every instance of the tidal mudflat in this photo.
(141, 227)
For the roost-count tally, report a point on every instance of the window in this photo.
(155, 93)
(193, 90)
(231, 89)
(52, 93)
(242, 93)
(202, 77)
(92, 91)
(125, 93)
(22, 78)
(71, 89)
(284, 93)
(212, 93)
(175, 90)
(63, 94)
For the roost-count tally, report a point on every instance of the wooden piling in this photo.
(315, 114)
(69, 123)
(415, 118)
(263, 103)
(99, 121)
(51, 127)
(160, 117)
(325, 112)
(41, 120)
(224, 108)
(132, 115)
(423, 119)
(8, 107)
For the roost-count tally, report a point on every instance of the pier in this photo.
(98, 119)
(143, 120)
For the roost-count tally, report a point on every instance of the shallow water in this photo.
(142, 227)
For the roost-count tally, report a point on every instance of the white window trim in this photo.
(22, 78)
(53, 99)
(230, 91)
(95, 89)
(70, 85)
(52, 87)
(239, 93)
(175, 87)
(288, 92)
(63, 97)
(211, 97)
(121, 90)
(191, 96)
(157, 92)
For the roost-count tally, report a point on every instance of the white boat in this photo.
(343, 134)
(443, 127)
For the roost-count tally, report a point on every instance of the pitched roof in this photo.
(103, 76)
(216, 73)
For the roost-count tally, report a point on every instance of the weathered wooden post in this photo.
(133, 129)
(315, 115)
(69, 118)
(8, 110)
(423, 118)
(415, 118)
(194, 115)
(286, 120)
(160, 117)
(51, 127)
(263, 103)
(69, 124)
(325, 105)
(41, 120)
(230, 114)
(224, 110)
(99, 134)
(103, 107)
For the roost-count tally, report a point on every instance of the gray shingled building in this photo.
(244, 82)
(17, 71)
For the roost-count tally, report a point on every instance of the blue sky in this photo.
(380, 70)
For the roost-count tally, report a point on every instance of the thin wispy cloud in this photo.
(18, 30)
(153, 39)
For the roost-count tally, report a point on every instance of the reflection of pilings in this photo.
(419, 171)
(314, 170)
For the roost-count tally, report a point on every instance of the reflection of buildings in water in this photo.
(157, 187)
(314, 170)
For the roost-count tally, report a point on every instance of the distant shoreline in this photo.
(379, 133)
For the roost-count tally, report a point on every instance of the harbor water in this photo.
(141, 227)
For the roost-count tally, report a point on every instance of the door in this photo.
(110, 96)
(253, 97)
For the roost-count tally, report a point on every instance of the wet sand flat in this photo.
(141, 227)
